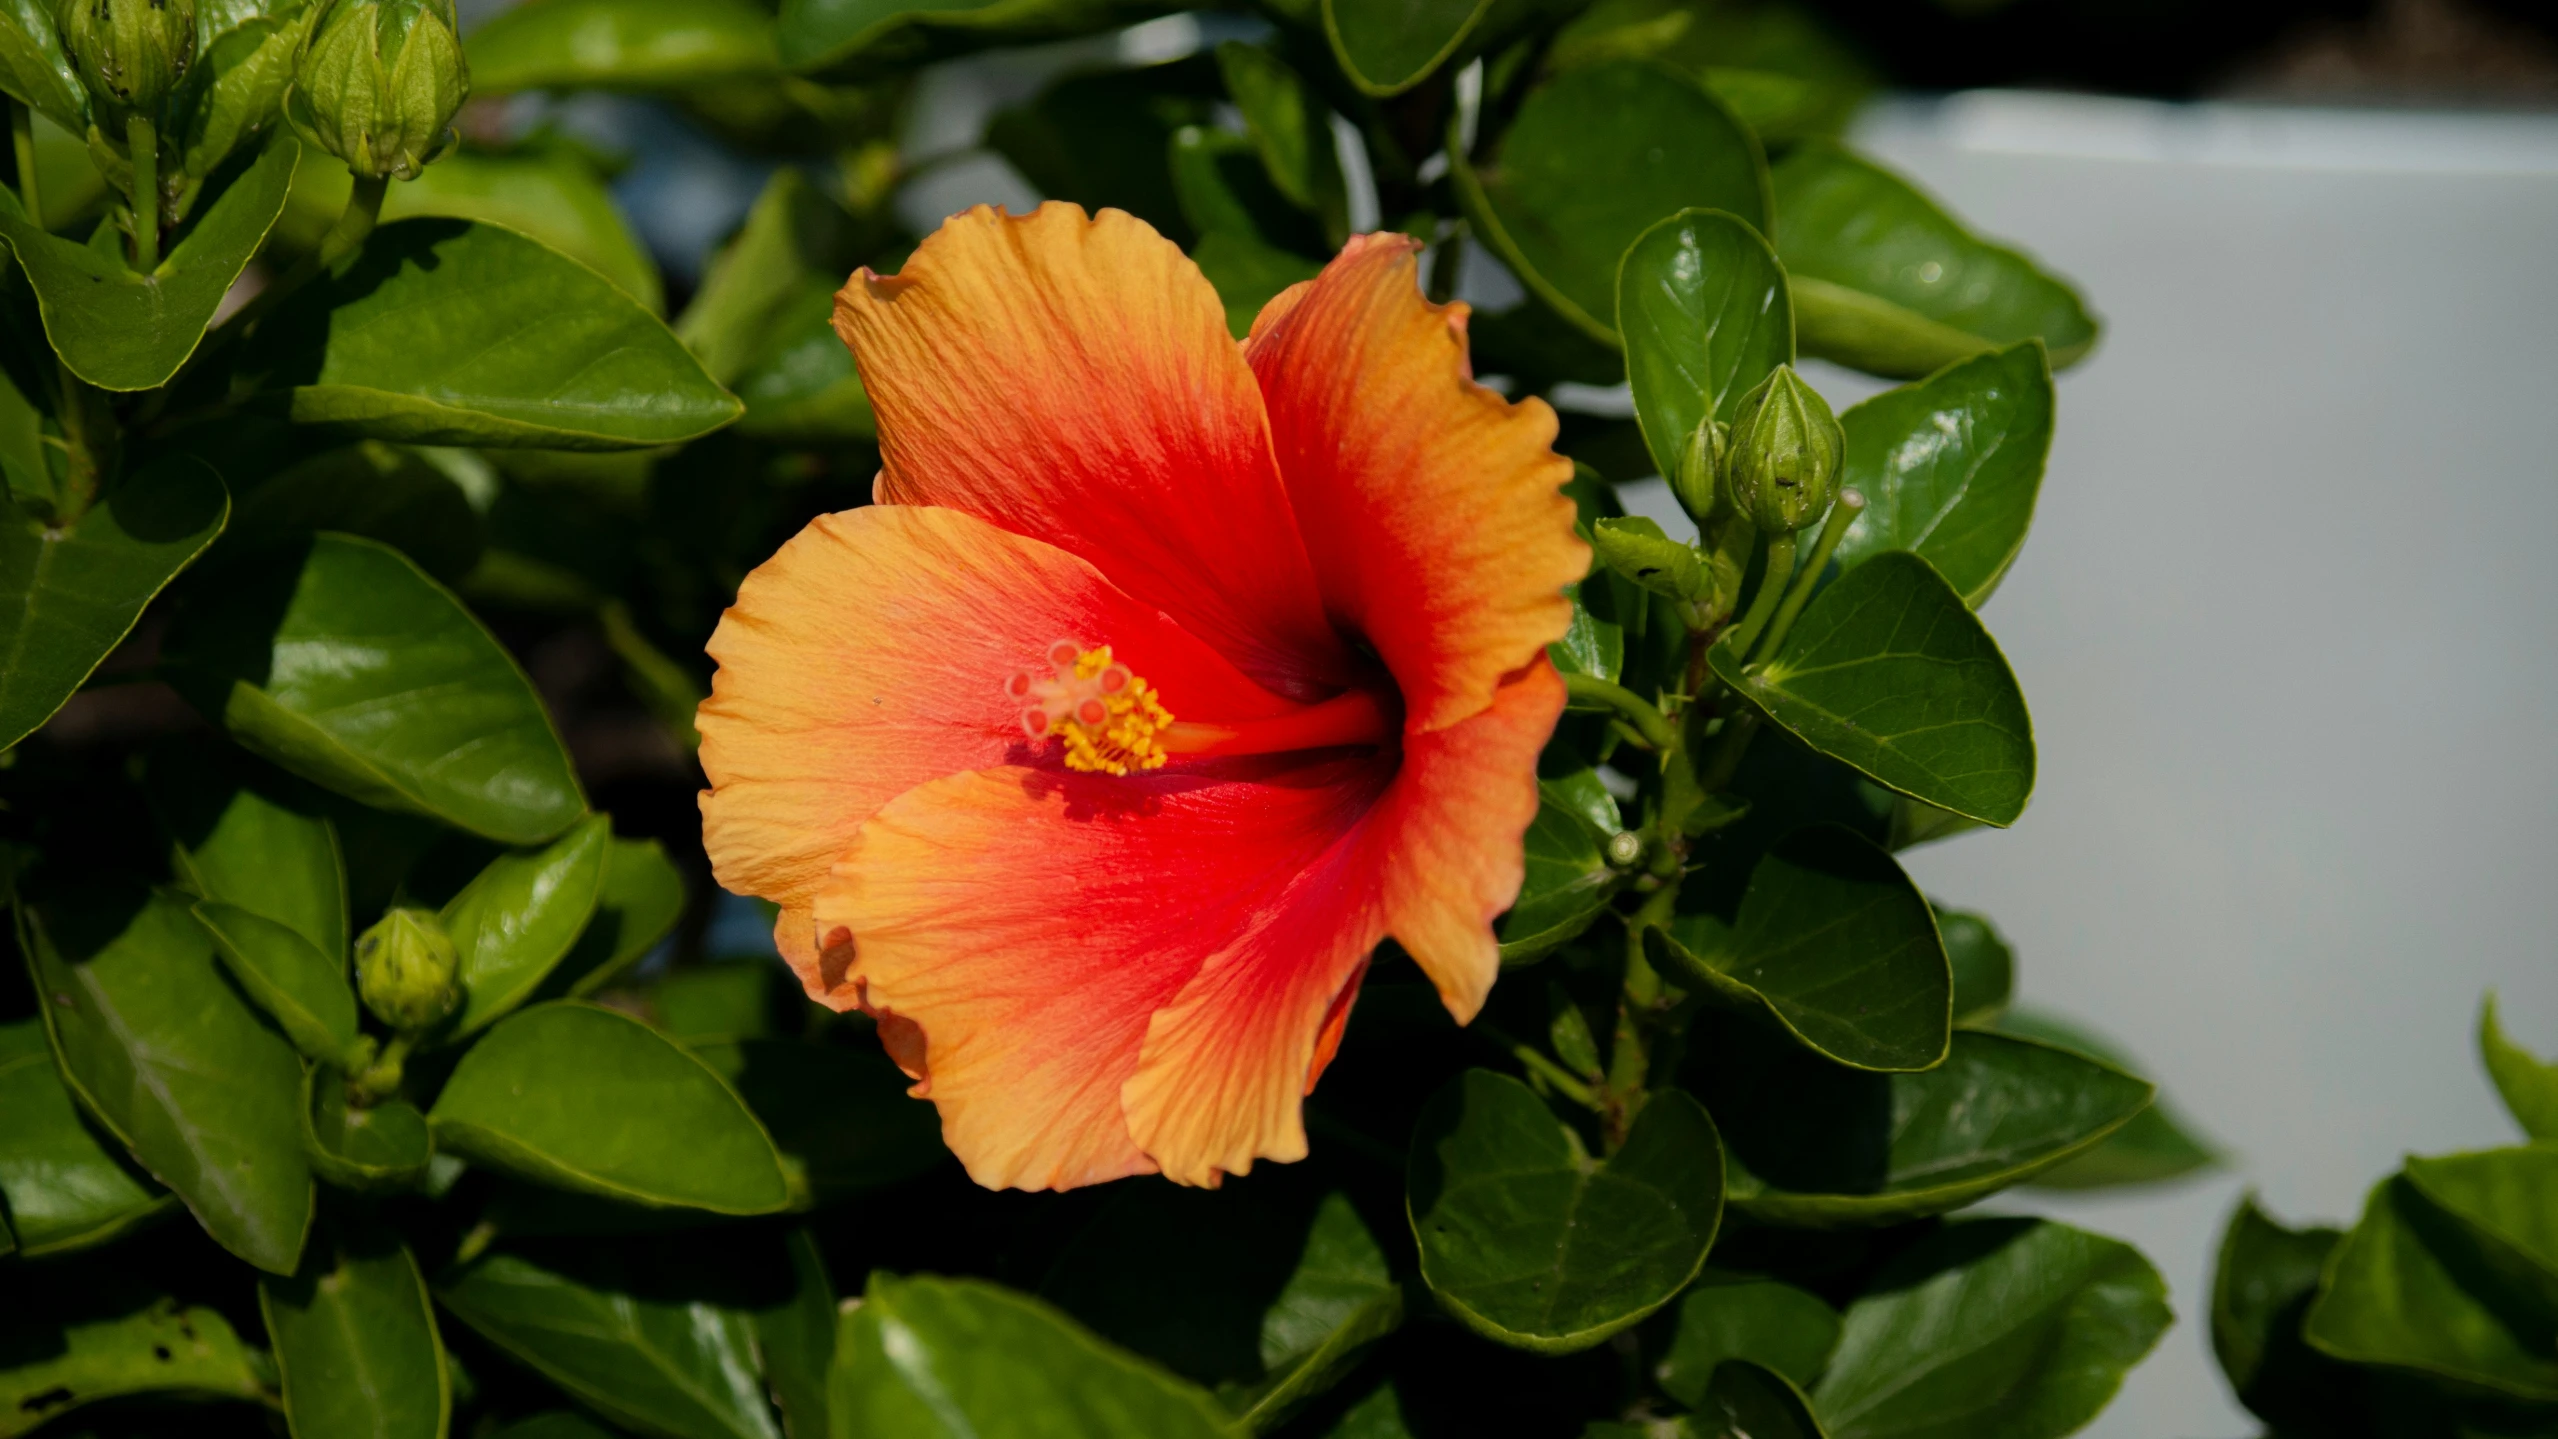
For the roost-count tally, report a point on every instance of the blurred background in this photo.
(2286, 621)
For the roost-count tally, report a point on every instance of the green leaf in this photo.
(796, 1336)
(621, 45)
(1750, 1401)
(867, 39)
(169, 1058)
(1837, 944)
(1222, 187)
(1889, 672)
(520, 916)
(794, 238)
(656, 1339)
(1992, 1329)
(1887, 282)
(715, 1003)
(1984, 967)
(552, 196)
(584, 1098)
(800, 386)
(1950, 466)
(643, 897)
(2503, 1196)
(304, 991)
(69, 594)
(927, 1358)
(234, 92)
(2158, 1145)
(1103, 139)
(355, 1339)
(120, 330)
(1567, 885)
(840, 1116)
(384, 1147)
(1636, 548)
(247, 837)
(63, 1188)
(2264, 1282)
(1593, 646)
(1703, 308)
(1387, 48)
(355, 670)
(1338, 1302)
(33, 69)
(382, 492)
(2527, 1083)
(1530, 1243)
(1737, 1316)
(448, 332)
(2409, 1289)
(1290, 126)
(1248, 274)
(1816, 1145)
(1583, 172)
(72, 1335)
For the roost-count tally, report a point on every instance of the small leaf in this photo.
(519, 917)
(621, 45)
(2407, 1289)
(1338, 1302)
(33, 69)
(168, 1057)
(1224, 189)
(384, 1147)
(1290, 125)
(1583, 172)
(69, 594)
(447, 332)
(1889, 672)
(247, 837)
(389, 493)
(583, 1098)
(74, 1334)
(1950, 466)
(234, 91)
(928, 1358)
(2503, 1196)
(2527, 1083)
(1984, 967)
(643, 897)
(64, 1187)
(1703, 308)
(355, 1339)
(1388, 49)
(304, 991)
(1725, 1317)
(1887, 282)
(867, 39)
(1993, 1329)
(800, 386)
(1529, 1243)
(796, 1335)
(1839, 947)
(1816, 1145)
(1567, 885)
(1750, 1401)
(120, 330)
(793, 238)
(2158, 1145)
(356, 671)
(2264, 1282)
(1636, 548)
(840, 1116)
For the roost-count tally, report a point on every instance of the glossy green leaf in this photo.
(383, 1147)
(553, 196)
(120, 330)
(234, 91)
(1248, 274)
(304, 991)
(1593, 646)
(520, 916)
(864, 39)
(1386, 47)
(1290, 127)
(245, 836)
(653, 1340)
(1338, 1302)
(2527, 1083)
(800, 386)
(1950, 466)
(2504, 1196)
(72, 1335)
(2158, 1145)
(1531, 1244)
(64, 1186)
(2264, 1282)
(33, 69)
(927, 1358)
(1816, 1145)
(795, 1333)
(357, 671)
(168, 1057)
(1888, 672)
(840, 1116)
(1702, 305)
(1837, 944)
(355, 1340)
(1583, 172)
(588, 1099)
(1568, 884)
(715, 1004)
(2409, 1289)
(1887, 282)
(384, 492)
(795, 237)
(1993, 1329)
(1636, 548)
(621, 45)
(1984, 967)
(1750, 1401)
(1737, 1316)
(450, 332)
(70, 594)
(643, 897)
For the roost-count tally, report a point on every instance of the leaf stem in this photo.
(363, 211)
(1565, 1082)
(143, 139)
(1638, 713)
(1780, 568)
(22, 136)
(1843, 514)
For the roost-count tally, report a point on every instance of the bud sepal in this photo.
(408, 971)
(1782, 465)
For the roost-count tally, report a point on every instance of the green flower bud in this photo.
(407, 970)
(1783, 464)
(380, 83)
(131, 54)
(1699, 482)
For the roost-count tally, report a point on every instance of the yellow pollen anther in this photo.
(1110, 719)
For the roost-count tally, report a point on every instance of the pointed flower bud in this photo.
(1699, 482)
(131, 54)
(1783, 463)
(380, 83)
(407, 970)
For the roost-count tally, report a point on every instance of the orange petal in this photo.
(1032, 923)
(1073, 379)
(869, 655)
(1432, 508)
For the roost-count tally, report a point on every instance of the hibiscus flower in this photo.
(1165, 677)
